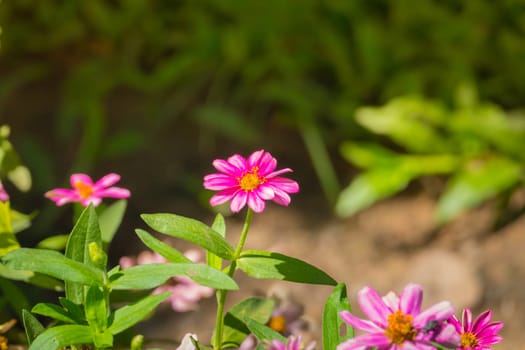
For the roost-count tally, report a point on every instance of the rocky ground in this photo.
(386, 246)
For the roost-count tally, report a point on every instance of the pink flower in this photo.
(292, 343)
(477, 335)
(186, 293)
(4, 196)
(86, 192)
(249, 181)
(187, 343)
(397, 322)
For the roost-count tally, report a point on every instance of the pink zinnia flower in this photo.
(396, 322)
(86, 192)
(249, 181)
(4, 197)
(477, 335)
(292, 343)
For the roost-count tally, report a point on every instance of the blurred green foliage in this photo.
(236, 69)
(477, 145)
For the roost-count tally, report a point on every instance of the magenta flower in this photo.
(185, 293)
(398, 322)
(292, 343)
(477, 335)
(4, 196)
(86, 192)
(249, 181)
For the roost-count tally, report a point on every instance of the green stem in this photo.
(221, 293)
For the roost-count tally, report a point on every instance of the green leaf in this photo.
(219, 226)
(54, 264)
(192, 231)
(32, 326)
(96, 309)
(53, 311)
(164, 249)
(332, 322)
(110, 219)
(262, 264)
(481, 179)
(153, 275)
(20, 221)
(263, 332)
(129, 315)
(370, 187)
(235, 320)
(16, 299)
(60, 336)
(74, 310)
(85, 231)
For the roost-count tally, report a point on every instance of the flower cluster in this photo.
(185, 293)
(397, 322)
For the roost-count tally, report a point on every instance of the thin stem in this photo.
(221, 293)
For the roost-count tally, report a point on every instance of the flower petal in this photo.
(255, 202)
(265, 192)
(481, 321)
(358, 323)
(227, 168)
(267, 164)
(219, 182)
(284, 184)
(281, 197)
(106, 181)
(392, 301)
(467, 320)
(83, 178)
(255, 158)
(238, 201)
(113, 192)
(223, 196)
(438, 312)
(373, 306)
(238, 162)
(410, 299)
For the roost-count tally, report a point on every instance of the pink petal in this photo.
(256, 203)
(491, 329)
(392, 301)
(493, 339)
(227, 168)
(284, 184)
(281, 197)
(83, 178)
(113, 192)
(267, 164)
(106, 181)
(467, 320)
(238, 162)
(410, 299)
(379, 340)
(351, 344)
(481, 321)
(364, 325)
(265, 192)
(91, 200)
(373, 306)
(438, 312)
(219, 182)
(223, 196)
(238, 201)
(255, 158)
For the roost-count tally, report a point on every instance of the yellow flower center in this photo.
(468, 340)
(251, 179)
(84, 191)
(277, 323)
(400, 328)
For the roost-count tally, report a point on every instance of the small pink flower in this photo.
(397, 322)
(477, 335)
(292, 343)
(4, 196)
(249, 181)
(86, 192)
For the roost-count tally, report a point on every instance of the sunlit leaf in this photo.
(59, 336)
(332, 322)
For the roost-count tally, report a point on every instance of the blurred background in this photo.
(403, 121)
